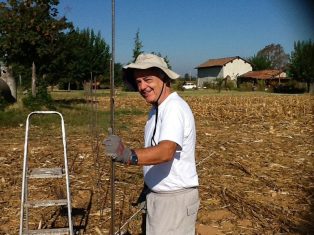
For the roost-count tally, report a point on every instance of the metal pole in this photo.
(112, 89)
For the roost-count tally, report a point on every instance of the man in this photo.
(169, 153)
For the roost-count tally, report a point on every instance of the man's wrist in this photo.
(133, 160)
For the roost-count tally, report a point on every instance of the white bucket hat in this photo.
(146, 61)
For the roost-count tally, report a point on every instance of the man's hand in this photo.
(116, 150)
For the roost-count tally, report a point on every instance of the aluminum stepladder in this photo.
(43, 173)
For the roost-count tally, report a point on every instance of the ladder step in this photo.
(49, 231)
(46, 173)
(45, 203)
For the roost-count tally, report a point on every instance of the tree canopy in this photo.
(302, 62)
(260, 62)
(30, 31)
(138, 45)
(82, 55)
(275, 54)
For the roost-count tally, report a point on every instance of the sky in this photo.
(189, 32)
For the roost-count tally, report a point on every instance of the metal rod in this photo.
(129, 220)
(112, 93)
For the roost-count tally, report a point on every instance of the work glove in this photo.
(115, 149)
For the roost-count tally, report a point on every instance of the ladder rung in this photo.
(45, 173)
(49, 231)
(45, 203)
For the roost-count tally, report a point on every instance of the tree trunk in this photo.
(33, 80)
(311, 88)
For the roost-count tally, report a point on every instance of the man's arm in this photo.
(160, 153)
(163, 152)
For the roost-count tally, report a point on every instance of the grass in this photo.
(12, 118)
(78, 112)
(72, 105)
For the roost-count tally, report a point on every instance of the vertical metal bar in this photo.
(112, 68)
(24, 182)
(67, 178)
(112, 93)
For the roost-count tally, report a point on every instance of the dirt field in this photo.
(254, 160)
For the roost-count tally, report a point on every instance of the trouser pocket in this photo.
(192, 209)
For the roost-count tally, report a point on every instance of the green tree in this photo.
(186, 77)
(118, 74)
(276, 55)
(138, 45)
(83, 55)
(302, 62)
(29, 32)
(219, 83)
(260, 62)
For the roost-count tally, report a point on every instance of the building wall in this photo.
(236, 68)
(282, 75)
(209, 72)
(201, 81)
(233, 69)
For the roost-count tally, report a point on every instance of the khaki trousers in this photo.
(172, 213)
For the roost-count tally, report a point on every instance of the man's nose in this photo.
(142, 85)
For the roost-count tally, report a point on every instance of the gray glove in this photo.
(116, 149)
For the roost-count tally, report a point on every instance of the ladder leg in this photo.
(22, 213)
(24, 198)
(67, 178)
(26, 209)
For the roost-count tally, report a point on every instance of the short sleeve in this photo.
(172, 124)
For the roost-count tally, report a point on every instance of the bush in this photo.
(3, 103)
(219, 84)
(291, 87)
(246, 86)
(261, 85)
(230, 85)
(214, 84)
(178, 85)
(208, 85)
(42, 99)
(125, 87)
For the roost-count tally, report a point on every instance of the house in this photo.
(229, 67)
(268, 77)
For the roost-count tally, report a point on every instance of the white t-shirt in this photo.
(175, 123)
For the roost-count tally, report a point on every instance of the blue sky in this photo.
(189, 32)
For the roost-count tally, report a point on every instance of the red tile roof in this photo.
(218, 62)
(263, 74)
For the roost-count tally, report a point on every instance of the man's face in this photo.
(149, 84)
